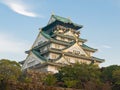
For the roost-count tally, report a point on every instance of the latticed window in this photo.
(62, 39)
(57, 46)
(54, 56)
(76, 52)
(67, 59)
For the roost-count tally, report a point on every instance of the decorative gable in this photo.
(76, 49)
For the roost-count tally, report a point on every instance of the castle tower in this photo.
(59, 44)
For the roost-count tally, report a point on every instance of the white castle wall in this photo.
(68, 60)
(40, 38)
(57, 46)
(31, 60)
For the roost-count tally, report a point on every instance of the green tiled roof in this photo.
(68, 36)
(22, 62)
(65, 43)
(66, 53)
(84, 57)
(38, 55)
(88, 48)
(41, 45)
(45, 35)
(82, 40)
(59, 42)
(55, 19)
(50, 63)
(98, 59)
(79, 56)
(65, 20)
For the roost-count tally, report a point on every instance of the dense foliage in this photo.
(90, 77)
(111, 74)
(9, 71)
(50, 80)
(79, 76)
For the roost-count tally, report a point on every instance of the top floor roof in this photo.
(55, 19)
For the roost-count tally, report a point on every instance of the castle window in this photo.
(76, 59)
(62, 39)
(76, 52)
(68, 59)
(54, 56)
(57, 46)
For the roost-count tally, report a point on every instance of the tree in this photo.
(111, 75)
(116, 76)
(50, 80)
(9, 70)
(70, 83)
(107, 73)
(76, 75)
(116, 79)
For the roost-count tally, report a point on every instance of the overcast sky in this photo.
(20, 20)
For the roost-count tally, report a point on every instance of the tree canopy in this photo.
(77, 75)
(9, 70)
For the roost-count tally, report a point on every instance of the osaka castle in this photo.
(59, 44)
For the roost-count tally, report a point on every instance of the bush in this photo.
(50, 80)
(70, 83)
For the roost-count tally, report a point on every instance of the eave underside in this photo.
(66, 54)
(64, 42)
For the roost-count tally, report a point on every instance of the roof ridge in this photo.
(57, 17)
(88, 47)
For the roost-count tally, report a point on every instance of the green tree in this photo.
(107, 73)
(116, 79)
(70, 83)
(111, 75)
(9, 70)
(116, 76)
(50, 80)
(79, 74)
